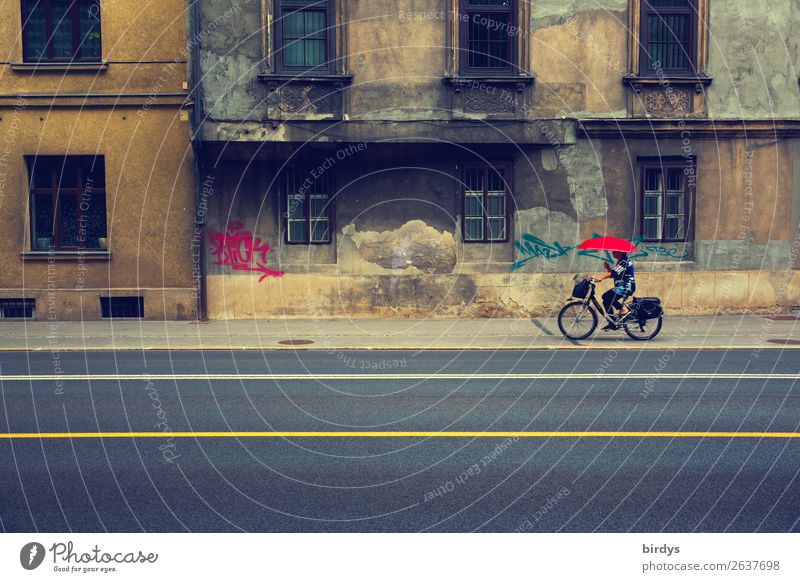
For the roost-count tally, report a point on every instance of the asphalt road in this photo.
(120, 477)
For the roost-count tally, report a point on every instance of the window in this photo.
(488, 36)
(667, 194)
(308, 207)
(61, 30)
(303, 35)
(122, 307)
(485, 195)
(67, 202)
(17, 308)
(668, 37)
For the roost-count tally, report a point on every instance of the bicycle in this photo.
(577, 320)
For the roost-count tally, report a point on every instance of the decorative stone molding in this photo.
(305, 98)
(492, 98)
(667, 97)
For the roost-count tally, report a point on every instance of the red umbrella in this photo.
(607, 243)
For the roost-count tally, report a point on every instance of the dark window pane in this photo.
(67, 220)
(473, 206)
(319, 206)
(674, 227)
(652, 228)
(304, 38)
(89, 18)
(34, 25)
(298, 231)
(296, 206)
(489, 2)
(92, 220)
(42, 221)
(62, 29)
(41, 173)
(668, 40)
(473, 228)
(652, 180)
(497, 228)
(319, 231)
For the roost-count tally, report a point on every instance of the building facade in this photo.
(97, 197)
(446, 157)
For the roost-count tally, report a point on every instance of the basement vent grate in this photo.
(17, 308)
(122, 307)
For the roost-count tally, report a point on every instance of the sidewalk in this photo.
(747, 332)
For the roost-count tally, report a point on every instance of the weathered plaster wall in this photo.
(754, 59)
(143, 135)
(579, 55)
(231, 55)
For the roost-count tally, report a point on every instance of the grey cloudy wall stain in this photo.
(754, 59)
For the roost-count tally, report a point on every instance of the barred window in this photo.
(667, 37)
(303, 35)
(489, 35)
(667, 193)
(308, 207)
(485, 203)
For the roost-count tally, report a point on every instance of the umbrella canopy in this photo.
(607, 243)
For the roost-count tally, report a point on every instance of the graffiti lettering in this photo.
(239, 249)
(532, 247)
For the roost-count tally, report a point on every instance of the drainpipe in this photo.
(197, 143)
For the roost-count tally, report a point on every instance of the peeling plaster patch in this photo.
(583, 162)
(549, 160)
(549, 12)
(415, 244)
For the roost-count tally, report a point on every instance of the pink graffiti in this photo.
(238, 248)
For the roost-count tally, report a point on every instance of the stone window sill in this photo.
(636, 81)
(301, 77)
(93, 255)
(74, 67)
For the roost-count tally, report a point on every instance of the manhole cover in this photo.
(783, 317)
(785, 342)
(295, 342)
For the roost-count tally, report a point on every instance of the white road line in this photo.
(385, 377)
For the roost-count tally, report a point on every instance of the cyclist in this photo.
(624, 286)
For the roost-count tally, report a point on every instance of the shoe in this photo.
(611, 327)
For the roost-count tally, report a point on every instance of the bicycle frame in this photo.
(591, 298)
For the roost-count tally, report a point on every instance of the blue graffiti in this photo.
(533, 247)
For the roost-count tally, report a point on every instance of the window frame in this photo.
(508, 174)
(646, 9)
(279, 46)
(77, 40)
(55, 192)
(464, 22)
(301, 175)
(689, 190)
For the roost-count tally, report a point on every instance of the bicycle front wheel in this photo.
(643, 330)
(577, 321)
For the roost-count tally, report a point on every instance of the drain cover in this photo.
(295, 342)
(785, 342)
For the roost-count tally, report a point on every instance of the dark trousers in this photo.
(612, 301)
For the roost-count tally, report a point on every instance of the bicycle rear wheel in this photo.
(577, 321)
(643, 330)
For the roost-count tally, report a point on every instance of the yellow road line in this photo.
(654, 346)
(402, 434)
(385, 377)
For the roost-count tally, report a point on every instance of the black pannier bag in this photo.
(647, 308)
(581, 290)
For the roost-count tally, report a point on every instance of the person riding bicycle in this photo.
(624, 287)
